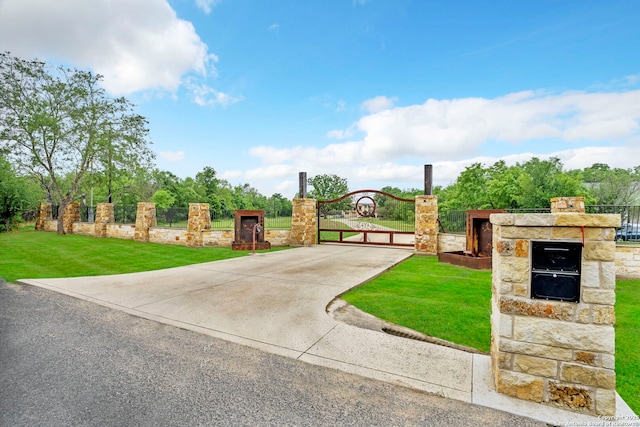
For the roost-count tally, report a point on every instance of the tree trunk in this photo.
(61, 208)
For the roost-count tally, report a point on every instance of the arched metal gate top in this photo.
(367, 217)
(367, 191)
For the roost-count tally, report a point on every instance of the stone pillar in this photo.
(549, 351)
(426, 227)
(567, 204)
(145, 218)
(45, 213)
(304, 222)
(199, 220)
(71, 215)
(104, 216)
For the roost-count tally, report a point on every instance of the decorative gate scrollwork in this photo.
(367, 216)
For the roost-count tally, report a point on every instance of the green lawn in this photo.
(334, 225)
(31, 254)
(441, 300)
(454, 303)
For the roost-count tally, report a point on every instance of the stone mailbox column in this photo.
(145, 218)
(71, 215)
(304, 223)
(45, 213)
(104, 216)
(567, 204)
(550, 350)
(199, 220)
(426, 225)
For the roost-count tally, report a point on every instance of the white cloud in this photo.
(377, 104)
(206, 5)
(581, 129)
(273, 27)
(452, 129)
(203, 94)
(137, 46)
(172, 156)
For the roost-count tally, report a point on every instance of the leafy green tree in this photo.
(529, 185)
(502, 186)
(330, 187)
(613, 186)
(469, 190)
(278, 205)
(388, 207)
(163, 199)
(541, 180)
(327, 187)
(17, 194)
(58, 122)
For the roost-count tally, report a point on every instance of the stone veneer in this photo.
(628, 261)
(45, 213)
(449, 242)
(226, 237)
(71, 215)
(567, 204)
(169, 236)
(145, 219)
(552, 352)
(104, 216)
(121, 231)
(199, 221)
(426, 225)
(304, 223)
(84, 228)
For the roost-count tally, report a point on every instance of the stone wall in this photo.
(51, 225)
(121, 231)
(449, 242)
(278, 237)
(426, 225)
(628, 261)
(83, 228)
(553, 352)
(217, 238)
(168, 235)
(304, 223)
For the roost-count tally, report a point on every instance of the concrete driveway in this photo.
(277, 302)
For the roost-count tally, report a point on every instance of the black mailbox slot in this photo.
(557, 256)
(555, 273)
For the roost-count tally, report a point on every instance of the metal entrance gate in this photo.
(369, 217)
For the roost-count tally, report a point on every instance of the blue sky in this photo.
(370, 90)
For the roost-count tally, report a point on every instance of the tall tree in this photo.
(17, 194)
(59, 123)
(613, 186)
(541, 180)
(329, 187)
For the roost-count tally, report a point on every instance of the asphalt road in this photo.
(67, 362)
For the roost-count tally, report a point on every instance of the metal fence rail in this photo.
(454, 221)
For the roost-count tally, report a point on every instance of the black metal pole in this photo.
(302, 186)
(428, 179)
